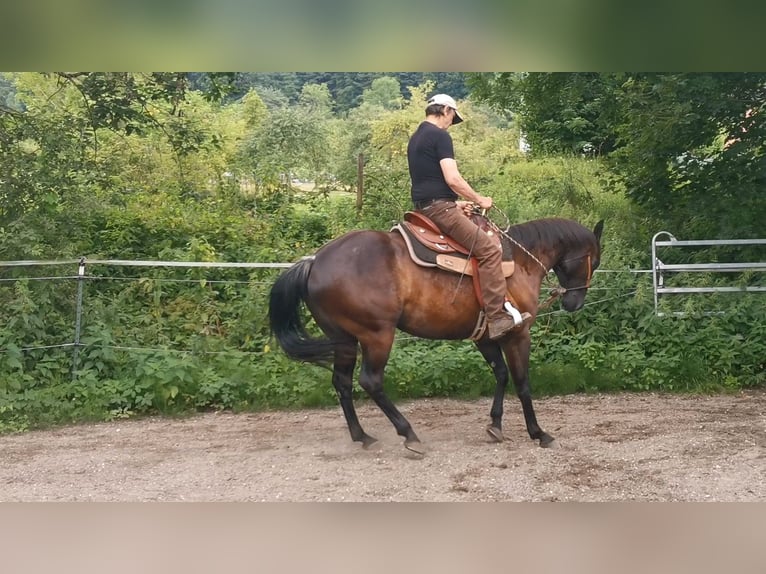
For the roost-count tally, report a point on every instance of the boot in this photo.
(503, 325)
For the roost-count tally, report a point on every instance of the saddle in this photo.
(429, 247)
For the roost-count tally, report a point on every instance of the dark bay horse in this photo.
(363, 286)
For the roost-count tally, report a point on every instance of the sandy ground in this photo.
(610, 448)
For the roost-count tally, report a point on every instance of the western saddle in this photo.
(429, 247)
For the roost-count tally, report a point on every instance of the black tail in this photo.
(288, 292)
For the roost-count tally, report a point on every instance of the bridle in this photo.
(559, 290)
(590, 271)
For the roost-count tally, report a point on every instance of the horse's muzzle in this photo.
(573, 301)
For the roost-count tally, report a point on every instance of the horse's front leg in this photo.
(492, 353)
(517, 352)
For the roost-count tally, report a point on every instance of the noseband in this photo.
(556, 292)
(590, 272)
(559, 291)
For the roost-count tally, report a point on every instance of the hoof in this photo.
(548, 442)
(495, 433)
(415, 446)
(369, 442)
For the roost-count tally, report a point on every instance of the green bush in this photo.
(176, 340)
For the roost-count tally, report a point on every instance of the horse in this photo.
(363, 286)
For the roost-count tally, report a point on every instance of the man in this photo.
(436, 186)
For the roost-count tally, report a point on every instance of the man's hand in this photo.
(484, 202)
(466, 206)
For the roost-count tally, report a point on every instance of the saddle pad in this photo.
(455, 263)
(462, 265)
(433, 240)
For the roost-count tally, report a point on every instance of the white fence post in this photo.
(78, 318)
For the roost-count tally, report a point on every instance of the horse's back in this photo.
(356, 254)
(366, 280)
(355, 275)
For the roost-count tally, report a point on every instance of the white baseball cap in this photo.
(445, 100)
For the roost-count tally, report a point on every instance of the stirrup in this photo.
(513, 312)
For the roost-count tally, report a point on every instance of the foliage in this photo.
(384, 92)
(692, 150)
(290, 140)
(347, 89)
(686, 146)
(558, 112)
(201, 180)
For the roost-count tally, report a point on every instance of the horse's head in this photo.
(575, 268)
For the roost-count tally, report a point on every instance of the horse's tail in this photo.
(288, 292)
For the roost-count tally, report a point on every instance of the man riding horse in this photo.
(365, 285)
(436, 186)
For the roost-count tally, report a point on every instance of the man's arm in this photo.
(460, 186)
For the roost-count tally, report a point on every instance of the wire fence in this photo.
(90, 271)
(133, 309)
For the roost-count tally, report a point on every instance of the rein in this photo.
(557, 291)
(504, 233)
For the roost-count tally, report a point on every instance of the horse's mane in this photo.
(549, 232)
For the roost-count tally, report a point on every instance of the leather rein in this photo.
(558, 291)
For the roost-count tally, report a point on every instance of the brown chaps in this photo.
(453, 222)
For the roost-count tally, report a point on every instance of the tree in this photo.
(316, 99)
(664, 137)
(690, 148)
(57, 144)
(290, 140)
(557, 112)
(45, 149)
(384, 92)
(125, 101)
(254, 110)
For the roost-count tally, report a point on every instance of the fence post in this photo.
(359, 182)
(78, 318)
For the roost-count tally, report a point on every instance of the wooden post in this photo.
(359, 181)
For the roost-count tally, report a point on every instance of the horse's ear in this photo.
(598, 229)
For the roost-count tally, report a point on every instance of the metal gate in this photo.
(661, 269)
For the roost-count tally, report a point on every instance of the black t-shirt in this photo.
(427, 147)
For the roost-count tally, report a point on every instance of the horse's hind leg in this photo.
(342, 380)
(374, 359)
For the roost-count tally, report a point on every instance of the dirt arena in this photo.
(644, 447)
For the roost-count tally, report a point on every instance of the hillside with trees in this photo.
(225, 167)
(345, 88)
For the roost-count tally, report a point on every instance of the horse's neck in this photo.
(549, 241)
(538, 260)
